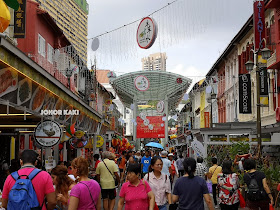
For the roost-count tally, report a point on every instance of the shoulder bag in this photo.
(116, 181)
(89, 194)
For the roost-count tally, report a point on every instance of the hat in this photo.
(164, 153)
(170, 154)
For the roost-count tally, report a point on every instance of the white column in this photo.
(79, 152)
(166, 121)
(137, 142)
(206, 140)
(56, 153)
(26, 141)
(64, 151)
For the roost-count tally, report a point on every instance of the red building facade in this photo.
(41, 41)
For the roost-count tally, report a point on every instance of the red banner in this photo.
(259, 23)
(206, 120)
(145, 131)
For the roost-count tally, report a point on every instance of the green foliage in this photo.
(240, 147)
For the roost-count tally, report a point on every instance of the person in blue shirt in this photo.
(145, 163)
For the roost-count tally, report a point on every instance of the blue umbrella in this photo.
(154, 144)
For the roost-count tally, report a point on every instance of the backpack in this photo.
(22, 195)
(254, 192)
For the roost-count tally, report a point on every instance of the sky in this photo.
(193, 33)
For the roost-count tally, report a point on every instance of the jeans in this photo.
(163, 207)
(214, 192)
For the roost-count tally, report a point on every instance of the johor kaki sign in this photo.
(144, 131)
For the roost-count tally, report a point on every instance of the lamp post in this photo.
(210, 100)
(250, 66)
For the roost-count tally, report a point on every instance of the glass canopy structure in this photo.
(143, 86)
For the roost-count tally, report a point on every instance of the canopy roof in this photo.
(162, 85)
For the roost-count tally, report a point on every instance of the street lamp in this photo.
(250, 65)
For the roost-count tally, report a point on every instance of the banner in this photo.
(206, 120)
(19, 20)
(245, 94)
(150, 127)
(263, 86)
(259, 23)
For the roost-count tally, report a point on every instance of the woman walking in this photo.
(87, 193)
(159, 183)
(190, 190)
(136, 193)
(63, 185)
(228, 185)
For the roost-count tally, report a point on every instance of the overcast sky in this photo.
(213, 23)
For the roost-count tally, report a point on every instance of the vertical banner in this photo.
(245, 94)
(19, 20)
(259, 23)
(263, 86)
(206, 120)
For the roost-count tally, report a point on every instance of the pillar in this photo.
(56, 153)
(79, 152)
(137, 142)
(166, 122)
(26, 141)
(64, 151)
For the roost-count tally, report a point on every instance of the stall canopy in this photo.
(161, 86)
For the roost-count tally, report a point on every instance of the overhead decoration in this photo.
(146, 33)
(160, 106)
(186, 96)
(12, 3)
(208, 89)
(70, 130)
(47, 133)
(5, 16)
(95, 44)
(100, 141)
(141, 83)
(77, 142)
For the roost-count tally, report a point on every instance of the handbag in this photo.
(241, 199)
(116, 181)
(209, 186)
(90, 194)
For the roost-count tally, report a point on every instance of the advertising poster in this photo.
(151, 127)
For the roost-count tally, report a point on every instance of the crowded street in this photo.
(149, 105)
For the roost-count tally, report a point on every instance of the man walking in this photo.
(145, 163)
(107, 172)
(201, 169)
(42, 182)
(214, 171)
(166, 168)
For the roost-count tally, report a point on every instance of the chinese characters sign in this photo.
(146, 33)
(144, 131)
(141, 83)
(259, 23)
(19, 20)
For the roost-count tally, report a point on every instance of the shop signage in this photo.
(263, 86)
(160, 106)
(141, 83)
(151, 130)
(198, 148)
(100, 141)
(146, 33)
(60, 112)
(47, 133)
(245, 94)
(259, 23)
(19, 20)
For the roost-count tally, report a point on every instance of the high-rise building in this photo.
(155, 62)
(72, 17)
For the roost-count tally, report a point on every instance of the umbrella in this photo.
(154, 144)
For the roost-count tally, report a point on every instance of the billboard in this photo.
(143, 129)
(263, 86)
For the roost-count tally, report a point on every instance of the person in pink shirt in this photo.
(136, 193)
(42, 182)
(86, 195)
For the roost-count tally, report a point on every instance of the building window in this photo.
(50, 53)
(41, 45)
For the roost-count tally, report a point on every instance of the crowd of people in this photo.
(144, 181)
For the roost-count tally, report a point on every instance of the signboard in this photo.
(259, 23)
(146, 33)
(198, 148)
(47, 133)
(19, 20)
(150, 127)
(245, 94)
(141, 83)
(206, 120)
(100, 141)
(160, 106)
(263, 86)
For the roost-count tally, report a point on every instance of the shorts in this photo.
(108, 193)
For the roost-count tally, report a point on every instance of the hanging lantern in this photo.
(114, 142)
(5, 16)
(127, 145)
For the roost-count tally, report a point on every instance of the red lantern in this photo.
(60, 146)
(114, 142)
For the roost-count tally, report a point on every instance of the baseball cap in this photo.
(164, 153)
(170, 154)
